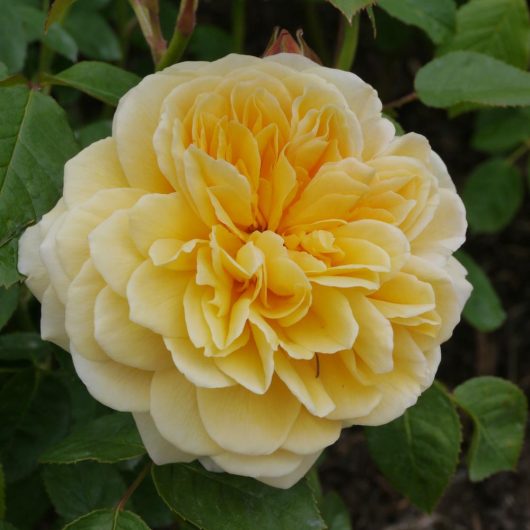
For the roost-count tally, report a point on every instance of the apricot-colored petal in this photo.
(95, 168)
(159, 449)
(176, 415)
(115, 385)
(79, 316)
(155, 299)
(311, 434)
(124, 341)
(302, 379)
(113, 252)
(243, 422)
(195, 366)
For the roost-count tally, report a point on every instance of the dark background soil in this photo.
(389, 63)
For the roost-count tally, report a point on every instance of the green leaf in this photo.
(150, 507)
(493, 194)
(215, 501)
(334, 512)
(102, 81)
(12, 42)
(58, 11)
(498, 409)
(108, 439)
(471, 77)
(8, 304)
(209, 42)
(24, 346)
(108, 520)
(84, 408)
(350, 7)
(500, 28)
(483, 310)
(57, 38)
(32, 157)
(8, 263)
(94, 131)
(435, 17)
(499, 130)
(418, 452)
(80, 488)
(17, 496)
(93, 35)
(3, 71)
(37, 420)
(2, 493)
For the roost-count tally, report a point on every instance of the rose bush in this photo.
(253, 261)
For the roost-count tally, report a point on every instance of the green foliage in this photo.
(500, 28)
(12, 38)
(17, 496)
(94, 131)
(435, 17)
(418, 452)
(108, 520)
(214, 501)
(498, 409)
(471, 77)
(334, 512)
(483, 310)
(493, 194)
(107, 439)
(100, 80)
(92, 33)
(8, 264)
(56, 38)
(31, 157)
(210, 42)
(349, 8)
(78, 489)
(499, 130)
(24, 346)
(8, 304)
(34, 410)
(57, 12)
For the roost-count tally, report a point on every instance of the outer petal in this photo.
(310, 434)
(117, 386)
(278, 463)
(30, 263)
(243, 422)
(52, 319)
(288, 480)
(124, 341)
(95, 168)
(159, 449)
(175, 413)
(134, 124)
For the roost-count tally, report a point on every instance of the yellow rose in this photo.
(251, 262)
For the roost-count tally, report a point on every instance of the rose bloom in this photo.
(251, 262)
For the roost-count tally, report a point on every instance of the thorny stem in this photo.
(182, 34)
(348, 39)
(133, 487)
(238, 25)
(397, 103)
(146, 12)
